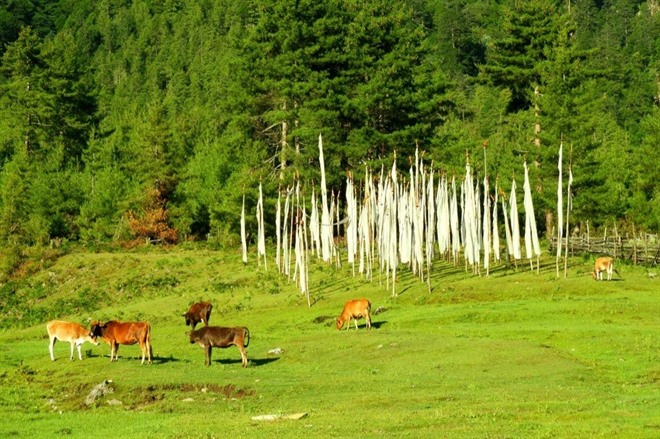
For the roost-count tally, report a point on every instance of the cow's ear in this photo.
(183, 315)
(188, 333)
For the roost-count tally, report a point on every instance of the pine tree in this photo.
(513, 59)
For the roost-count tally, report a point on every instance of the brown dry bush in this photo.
(152, 224)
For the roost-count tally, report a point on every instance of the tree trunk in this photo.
(549, 224)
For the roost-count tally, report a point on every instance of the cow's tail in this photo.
(247, 336)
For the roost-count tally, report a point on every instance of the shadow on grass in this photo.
(154, 359)
(363, 326)
(252, 362)
(164, 360)
(329, 321)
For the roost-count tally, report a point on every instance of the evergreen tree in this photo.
(347, 70)
(26, 107)
(513, 59)
(456, 36)
(112, 112)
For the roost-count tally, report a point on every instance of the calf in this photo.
(199, 312)
(66, 331)
(217, 337)
(127, 333)
(354, 309)
(604, 264)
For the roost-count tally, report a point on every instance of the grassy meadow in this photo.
(513, 355)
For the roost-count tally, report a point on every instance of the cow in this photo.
(604, 264)
(218, 337)
(128, 333)
(354, 309)
(199, 312)
(66, 331)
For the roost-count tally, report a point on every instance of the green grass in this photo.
(517, 354)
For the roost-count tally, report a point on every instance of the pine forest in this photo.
(172, 121)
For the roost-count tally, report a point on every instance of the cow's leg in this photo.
(143, 348)
(50, 347)
(368, 321)
(73, 343)
(207, 360)
(356, 325)
(244, 360)
(79, 345)
(148, 350)
(114, 352)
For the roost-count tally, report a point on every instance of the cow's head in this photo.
(96, 330)
(194, 336)
(186, 316)
(340, 323)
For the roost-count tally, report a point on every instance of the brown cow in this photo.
(218, 337)
(602, 265)
(66, 331)
(199, 312)
(128, 333)
(354, 309)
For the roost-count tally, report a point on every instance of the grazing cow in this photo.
(199, 312)
(604, 264)
(128, 333)
(217, 337)
(354, 309)
(66, 331)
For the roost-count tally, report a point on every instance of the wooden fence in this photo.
(644, 250)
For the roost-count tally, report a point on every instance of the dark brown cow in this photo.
(128, 333)
(66, 331)
(355, 309)
(217, 337)
(199, 312)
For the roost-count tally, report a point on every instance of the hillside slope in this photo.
(511, 355)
